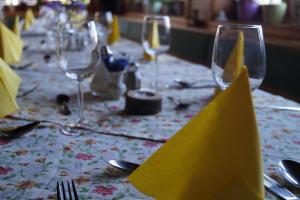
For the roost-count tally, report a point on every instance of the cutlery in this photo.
(290, 170)
(292, 108)
(179, 105)
(184, 84)
(23, 65)
(191, 85)
(60, 188)
(277, 189)
(25, 93)
(17, 131)
(269, 183)
(124, 165)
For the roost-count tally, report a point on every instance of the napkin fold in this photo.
(153, 41)
(29, 19)
(234, 62)
(9, 84)
(216, 156)
(114, 35)
(11, 46)
(16, 27)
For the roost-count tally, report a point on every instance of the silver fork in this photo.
(60, 188)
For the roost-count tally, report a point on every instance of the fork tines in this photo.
(61, 191)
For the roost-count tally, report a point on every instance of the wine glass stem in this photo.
(156, 73)
(80, 115)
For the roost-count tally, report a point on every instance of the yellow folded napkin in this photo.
(234, 62)
(114, 35)
(153, 41)
(29, 19)
(216, 156)
(11, 46)
(16, 27)
(9, 84)
(77, 16)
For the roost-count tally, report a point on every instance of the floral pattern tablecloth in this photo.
(31, 165)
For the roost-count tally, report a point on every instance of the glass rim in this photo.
(239, 26)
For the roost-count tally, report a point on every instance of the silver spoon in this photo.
(185, 84)
(290, 170)
(124, 165)
(179, 105)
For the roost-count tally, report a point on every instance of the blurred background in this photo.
(194, 23)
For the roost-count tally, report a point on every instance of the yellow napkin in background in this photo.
(29, 19)
(9, 84)
(11, 46)
(216, 156)
(234, 62)
(77, 16)
(153, 41)
(114, 35)
(16, 27)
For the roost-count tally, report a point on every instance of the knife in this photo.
(292, 108)
(15, 132)
(277, 189)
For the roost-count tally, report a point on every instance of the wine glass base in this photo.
(74, 129)
(70, 131)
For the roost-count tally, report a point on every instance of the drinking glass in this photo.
(156, 38)
(77, 55)
(253, 53)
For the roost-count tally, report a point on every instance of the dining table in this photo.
(31, 165)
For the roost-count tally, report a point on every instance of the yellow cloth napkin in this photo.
(9, 84)
(216, 156)
(153, 41)
(29, 19)
(114, 35)
(234, 62)
(11, 46)
(16, 27)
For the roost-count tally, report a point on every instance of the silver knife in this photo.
(277, 189)
(292, 108)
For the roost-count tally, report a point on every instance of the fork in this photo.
(60, 187)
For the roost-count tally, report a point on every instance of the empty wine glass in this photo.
(156, 38)
(78, 60)
(251, 54)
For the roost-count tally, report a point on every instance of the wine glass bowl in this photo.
(78, 56)
(156, 38)
(251, 54)
(156, 34)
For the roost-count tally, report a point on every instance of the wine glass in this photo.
(156, 38)
(78, 60)
(252, 54)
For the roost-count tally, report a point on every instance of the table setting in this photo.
(138, 127)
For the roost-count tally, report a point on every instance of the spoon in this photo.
(191, 85)
(124, 165)
(179, 104)
(290, 170)
(184, 84)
